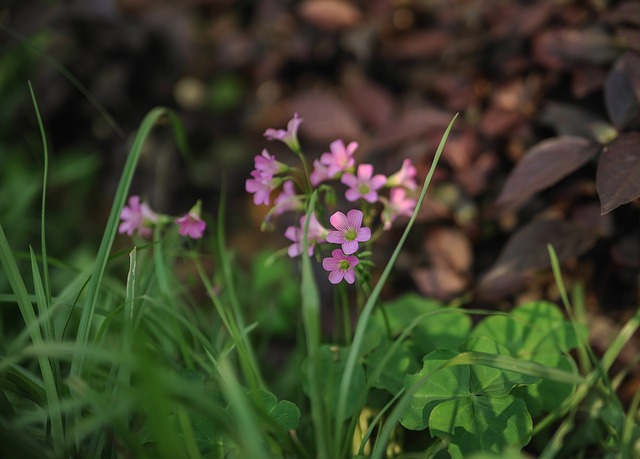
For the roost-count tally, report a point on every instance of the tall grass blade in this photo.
(45, 174)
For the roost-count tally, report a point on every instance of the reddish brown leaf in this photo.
(326, 117)
(330, 14)
(622, 91)
(526, 251)
(448, 248)
(618, 176)
(545, 164)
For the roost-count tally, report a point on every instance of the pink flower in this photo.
(349, 231)
(137, 217)
(364, 185)
(341, 267)
(191, 225)
(405, 177)
(397, 205)
(290, 136)
(261, 185)
(287, 200)
(267, 165)
(340, 159)
(316, 234)
(319, 174)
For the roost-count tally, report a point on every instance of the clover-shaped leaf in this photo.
(472, 424)
(435, 385)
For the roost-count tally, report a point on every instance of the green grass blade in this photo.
(354, 350)
(504, 362)
(45, 174)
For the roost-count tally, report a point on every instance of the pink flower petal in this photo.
(349, 276)
(336, 276)
(339, 221)
(354, 218)
(349, 247)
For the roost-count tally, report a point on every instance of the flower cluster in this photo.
(363, 187)
(137, 217)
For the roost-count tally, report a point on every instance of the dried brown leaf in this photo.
(419, 45)
(326, 117)
(618, 176)
(439, 283)
(448, 248)
(545, 164)
(330, 15)
(373, 104)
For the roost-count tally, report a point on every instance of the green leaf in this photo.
(283, 412)
(487, 424)
(440, 328)
(286, 414)
(436, 385)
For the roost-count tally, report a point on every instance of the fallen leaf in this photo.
(439, 283)
(373, 104)
(330, 15)
(544, 165)
(419, 45)
(326, 117)
(448, 248)
(618, 175)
